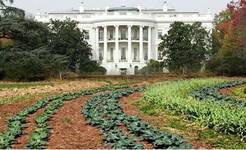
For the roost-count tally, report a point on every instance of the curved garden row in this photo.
(104, 112)
(175, 96)
(40, 136)
(212, 93)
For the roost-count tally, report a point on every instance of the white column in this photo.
(130, 44)
(105, 45)
(141, 44)
(149, 43)
(97, 43)
(116, 51)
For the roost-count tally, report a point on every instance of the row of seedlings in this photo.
(16, 124)
(212, 93)
(39, 137)
(104, 112)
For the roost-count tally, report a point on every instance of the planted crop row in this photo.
(17, 123)
(104, 112)
(240, 92)
(175, 96)
(40, 135)
(212, 93)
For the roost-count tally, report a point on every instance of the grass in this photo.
(192, 131)
(239, 92)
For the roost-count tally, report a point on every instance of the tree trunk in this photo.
(60, 75)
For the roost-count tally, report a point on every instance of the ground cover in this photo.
(104, 112)
(175, 96)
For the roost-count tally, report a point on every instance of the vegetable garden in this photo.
(205, 105)
(198, 99)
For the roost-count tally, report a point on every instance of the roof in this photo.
(123, 8)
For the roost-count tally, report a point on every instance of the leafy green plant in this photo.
(240, 92)
(17, 123)
(212, 93)
(104, 112)
(40, 135)
(175, 96)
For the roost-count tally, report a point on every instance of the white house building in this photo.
(124, 39)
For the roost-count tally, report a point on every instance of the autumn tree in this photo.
(230, 37)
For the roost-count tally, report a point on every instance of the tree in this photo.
(230, 55)
(185, 47)
(67, 39)
(2, 4)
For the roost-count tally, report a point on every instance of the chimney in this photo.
(139, 8)
(106, 9)
(82, 7)
(165, 7)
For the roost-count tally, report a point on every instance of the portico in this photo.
(126, 43)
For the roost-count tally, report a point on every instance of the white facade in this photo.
(124, 39)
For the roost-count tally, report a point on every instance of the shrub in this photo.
(231, 65)
(91, 67)
(152, 67)
(27, 68)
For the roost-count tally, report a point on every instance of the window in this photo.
(101, 35)
(146, 55)
(135, 57)
(86, 34)
(111, 34)
(123, 32)
(111, 54)
(123, 54)
(159, 34)
(135, 34)
(100, 54)
(145, 34)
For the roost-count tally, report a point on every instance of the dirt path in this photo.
(130, 109)
(70, 129)
(30, 126)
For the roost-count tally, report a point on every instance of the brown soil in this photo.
(229, 91)
(130, 109)
(7, 111)
(70, 129)
(30, 126)
(68, 86)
